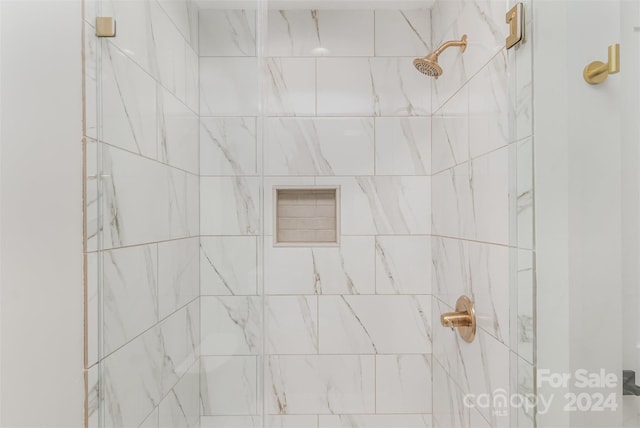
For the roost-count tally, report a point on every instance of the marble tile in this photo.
(292, 325)
(403, 265)
(473, 199)
(130, 294)
(480, 271)
(371, 87)
(132, 380)
(320, 33)
(291, 87)
(178, 129)
(228, 146)
(93, 308)
(375, 421)
(184, 15)
(476, 420)
(90, 67)
(450, 133)
(92, 217)
(229, 86)
(128, 104)
(145, 201)
(229, 205)
(383, 205)
(178, 274)
(228, 265)
(93, 397)
(192, 97)
(292, 421)
(488, 108)
(403, 32)
(448, 405)
(319, 146)
(231, 325)
(153, 420)
(230, 421)
(403, 384)
(403, 146)
(320, 384)
(525, 414)
(347, 269)
(227, 32)
(524, 197)
(170, 52)
(180, 408)
(180, 343)
(228, 386)
(375, 324)
(525, 306)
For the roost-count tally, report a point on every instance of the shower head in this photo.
(429, 66)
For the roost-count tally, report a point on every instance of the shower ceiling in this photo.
(317, 4)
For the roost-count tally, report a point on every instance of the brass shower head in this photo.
(429, 64)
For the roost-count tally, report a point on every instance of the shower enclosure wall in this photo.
(196, 317)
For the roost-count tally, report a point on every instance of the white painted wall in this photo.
(41, 301)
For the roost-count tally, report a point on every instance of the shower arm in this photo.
(451, 43)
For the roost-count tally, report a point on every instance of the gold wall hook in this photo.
(597, 72)
(464, 319)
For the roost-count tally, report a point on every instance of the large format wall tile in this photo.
(403, 32)
(403, 383)
(375, 324)
(229, 86)
(231, 325)
(229, 205)
(347, 269)
(229, 385)
(227, 32)
(375, 421)
(403, 265)
(228, 265)
(228, 146)
(371, 87)
(320, 33)
(320, 384)
(178, 274)
(292, 87)
(178, 129)
(292, 325)
(403, 145)
(180, 408)
(319, 146)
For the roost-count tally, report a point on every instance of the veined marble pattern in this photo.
(292, 325)
(145, 201)
(375, 421)
(319, 146)
(480, 271)
(128, 104)
(227, 32)
(177, 132)
(229, 86)
(230, 421)
(228, 146)
(181, 408)
(320, 384)
(450, 132)
(524, 200)
(320, 33)
(291, 87)
(92, 302)
(403, 32)
(228, 265)
(370, 324)
(178, 274)
(152, 420)
(184, 14)
(228, 385)
(403, 265)
(348, 269)
(130, 293)
(403, 146)
(403, 384)
(383, 205)
(448, 405)
(525, 306)
(231, 325)
(229, 205)
(371, 87)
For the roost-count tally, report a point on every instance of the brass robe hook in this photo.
(597, 72)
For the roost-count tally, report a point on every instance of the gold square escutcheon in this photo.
(105, 26)
(515, 19)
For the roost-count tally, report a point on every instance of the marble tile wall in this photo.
(482, 218)
(142, 244)
(347, 328)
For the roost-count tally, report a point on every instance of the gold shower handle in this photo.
(464, 319)
(597, 72)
